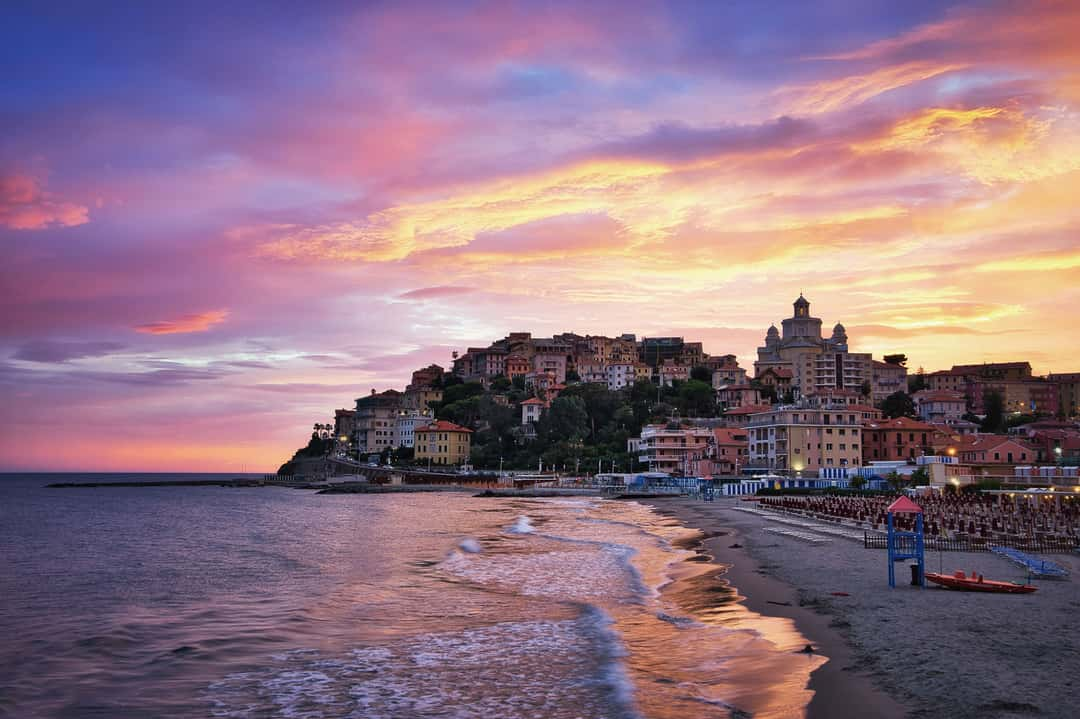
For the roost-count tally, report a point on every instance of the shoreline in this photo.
(837, 688)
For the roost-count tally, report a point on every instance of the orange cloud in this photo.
(832, 95)
(1046, 262)
(25, 206)
(199, 322)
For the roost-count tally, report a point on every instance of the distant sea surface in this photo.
(268, 602)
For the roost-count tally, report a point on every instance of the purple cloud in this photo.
(51, 351)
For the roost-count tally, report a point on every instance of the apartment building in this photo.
(619, 375)
(1068, 386)
(792, 438)
(730, 450)
(886, 379)
(443, 443)
(405, 425)
(670, 372)
(741, 395)
(939, 405)
(420, 398)
(674, 448)
(901, 438)
(374, 420)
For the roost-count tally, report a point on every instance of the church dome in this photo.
(802, 301)
(838, 330)
(773, 332)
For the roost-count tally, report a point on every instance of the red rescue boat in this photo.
(976, 583)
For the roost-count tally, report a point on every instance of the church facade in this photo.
(817, 364)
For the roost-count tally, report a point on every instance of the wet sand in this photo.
(904, 651)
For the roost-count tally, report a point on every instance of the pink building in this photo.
(940, 405)
(732, 396)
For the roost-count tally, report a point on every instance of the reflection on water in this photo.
(260, 603)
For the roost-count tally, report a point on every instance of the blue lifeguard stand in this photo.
(905, 545)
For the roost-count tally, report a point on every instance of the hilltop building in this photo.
(886, 379)
(374, 420)
(815, 362)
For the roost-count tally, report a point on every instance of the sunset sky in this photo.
(220, 224)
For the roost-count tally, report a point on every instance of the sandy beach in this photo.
(905, 651)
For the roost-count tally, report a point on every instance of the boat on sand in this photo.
(976, 583)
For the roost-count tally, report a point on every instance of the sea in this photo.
(275, 602)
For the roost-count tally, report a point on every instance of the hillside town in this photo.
(811, 413)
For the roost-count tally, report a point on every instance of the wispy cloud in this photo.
(198, 322)
(430, 293)
(53, 351)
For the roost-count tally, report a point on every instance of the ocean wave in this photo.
(559, 669)
(521, 525)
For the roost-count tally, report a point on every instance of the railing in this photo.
(1037, 545)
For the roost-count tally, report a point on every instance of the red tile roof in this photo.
(443, 426)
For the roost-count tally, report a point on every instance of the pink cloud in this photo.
(24, 205)
(199, 322)
(429, 293)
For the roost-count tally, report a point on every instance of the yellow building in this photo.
(442, 443)
(806, 438)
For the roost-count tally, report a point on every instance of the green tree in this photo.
(701, 374)
(696, 399)
(994, 407)
(573, 376)
(519, 382)
(896, 481)
(858, 481)
(500, 384)
(920, 476)
(917, 381)
(457, 392)
(898, 404)
(897, 359)
(865, 389)
(566, 419)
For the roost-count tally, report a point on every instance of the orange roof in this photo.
(443, 426)
(533, 400)
(730, 436)
(985, 442)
